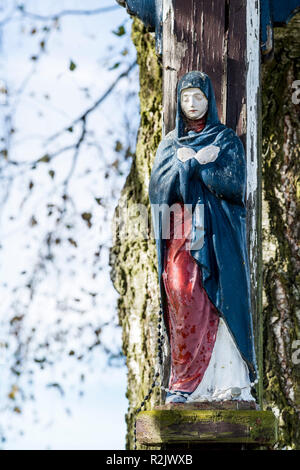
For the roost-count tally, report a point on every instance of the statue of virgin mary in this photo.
(197, 188)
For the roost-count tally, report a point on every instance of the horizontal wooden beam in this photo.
(180, 426)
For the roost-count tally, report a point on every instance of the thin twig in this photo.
(95, 105)
(46, 158)
(55, 16)
(76, 154)
(82, 119)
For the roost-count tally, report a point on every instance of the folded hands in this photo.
(203, 156)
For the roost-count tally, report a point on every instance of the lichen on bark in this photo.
(133, 256)
(280, 131)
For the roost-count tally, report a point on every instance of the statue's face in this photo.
(194, 103)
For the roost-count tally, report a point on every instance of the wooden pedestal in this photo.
(204, 426)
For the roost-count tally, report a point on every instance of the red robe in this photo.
(192, 318)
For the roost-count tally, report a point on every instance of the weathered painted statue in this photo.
(197, 193)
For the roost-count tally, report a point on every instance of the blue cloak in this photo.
(219, 187)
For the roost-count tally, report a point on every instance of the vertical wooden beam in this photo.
(221, 38)
(193, 39)
(207, 36)
(254, 190)
(236, 67)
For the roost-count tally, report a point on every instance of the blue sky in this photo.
(96, 419)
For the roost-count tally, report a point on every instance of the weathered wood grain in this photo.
(193, 39)
(208, 405)
(254, 178)
(236, 67)
(206, 426)
(207, 36)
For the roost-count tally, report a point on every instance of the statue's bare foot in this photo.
(176, 397)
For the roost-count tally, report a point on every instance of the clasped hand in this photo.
(205, 155)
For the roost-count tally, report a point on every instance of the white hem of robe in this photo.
(226, 371)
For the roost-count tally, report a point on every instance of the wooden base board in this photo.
(208, 405)
(193, 424)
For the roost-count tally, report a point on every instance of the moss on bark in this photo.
(133, 257)
(281, 233)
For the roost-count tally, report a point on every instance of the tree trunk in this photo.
(133, 258)
(281, 234)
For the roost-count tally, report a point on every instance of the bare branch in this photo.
(81, 119)
(76, 154)
(55, 16)
(95, 105)
(8, 10)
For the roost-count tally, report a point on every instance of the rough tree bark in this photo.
(281, 234)
(133, 260)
